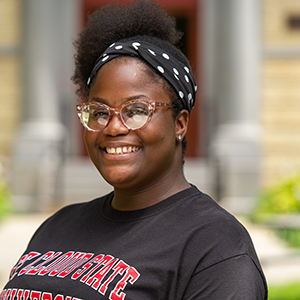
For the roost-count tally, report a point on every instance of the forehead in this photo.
(136, 65)
(126, 77)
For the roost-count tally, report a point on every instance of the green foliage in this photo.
(281, 198)
(4, 198)
(285, 292)
(291, 235)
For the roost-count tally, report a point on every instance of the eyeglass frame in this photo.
(152, 104)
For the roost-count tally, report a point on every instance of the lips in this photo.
(121, 150)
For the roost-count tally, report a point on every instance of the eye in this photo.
(97, 112)
(132, 110)
(100, 113)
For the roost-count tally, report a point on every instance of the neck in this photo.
(127, 200)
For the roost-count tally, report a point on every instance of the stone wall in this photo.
(280, 107)
(10, 20)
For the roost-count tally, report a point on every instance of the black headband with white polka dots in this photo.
(179, 76)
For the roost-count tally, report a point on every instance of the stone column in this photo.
(48, 29)
(232, 90)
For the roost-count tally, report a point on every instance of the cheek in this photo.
(90, 139)
(165, 127)
(86, 138)
(161, 131)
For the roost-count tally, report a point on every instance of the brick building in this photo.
(280, 92)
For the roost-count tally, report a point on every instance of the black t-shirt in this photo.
(185, 247)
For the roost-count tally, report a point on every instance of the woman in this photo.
(155, 236)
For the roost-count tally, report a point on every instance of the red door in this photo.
(186, 13)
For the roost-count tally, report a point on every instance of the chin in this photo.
(118, 178)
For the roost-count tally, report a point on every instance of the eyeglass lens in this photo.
(133, 115)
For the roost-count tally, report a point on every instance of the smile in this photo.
(121, 150)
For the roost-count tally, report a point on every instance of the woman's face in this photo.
(152, 153)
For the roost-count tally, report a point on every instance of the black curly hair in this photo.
(145, 20)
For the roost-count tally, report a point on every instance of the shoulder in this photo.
(219, 241)
(238, 276)
(202, 211)
(218, 232)
(72, 216)
(80, 209)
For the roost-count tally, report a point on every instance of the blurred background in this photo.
(243, 139)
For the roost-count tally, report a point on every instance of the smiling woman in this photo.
(155, 142)
(155, 236)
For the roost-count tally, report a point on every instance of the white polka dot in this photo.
(152, 52)
(119, 47)
(112, 45)
(136, 45)
(105, 58)
(181, 94)
(104, 54)
(166, 56)
(176, 77)
(186, 78)
(88, 81)
(196, 88)
(190, 96)
(187, 69)
(175, 71)
(161, 69)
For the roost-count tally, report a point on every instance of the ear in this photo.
(181, 122)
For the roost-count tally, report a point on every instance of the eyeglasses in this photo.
(134, 114)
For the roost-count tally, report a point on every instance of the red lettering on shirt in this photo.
(30, 256)
(56, 263)
(47, 257)
(71, 261)
(119, 268)
(13, 293)
(7, 294)
(79, 272)
(98, 261)
(73, 266)
(31, 295)
(98, 276)
(17, 266)
(26, 294)
(47, 296)
(97, 272)
(130, 276)
(34, 295)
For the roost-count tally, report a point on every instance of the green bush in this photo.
(4, 198)
(282, 198)
(291, 236)
(285, 292)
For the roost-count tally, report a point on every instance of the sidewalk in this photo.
(15, 232)
(280, 263)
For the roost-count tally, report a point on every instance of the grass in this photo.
(289, 291)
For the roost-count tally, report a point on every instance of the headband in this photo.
(178, 75)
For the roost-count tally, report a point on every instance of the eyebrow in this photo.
(102, 100)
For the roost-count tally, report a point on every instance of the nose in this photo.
(115, 126)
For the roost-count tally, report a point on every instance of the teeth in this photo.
(121, 150)
(111, 150)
